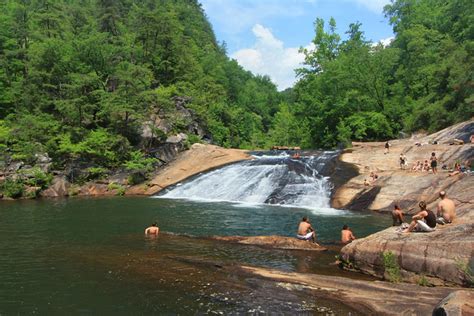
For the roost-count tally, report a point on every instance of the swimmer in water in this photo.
(152, 230)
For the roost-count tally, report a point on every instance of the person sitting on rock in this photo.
(446, 209)
(417, 166)
(426, 166)
(397, 216)
(346, 235)
(152, 230)
(366, 183)
(373, 176)
(306, 231)
(423, 221)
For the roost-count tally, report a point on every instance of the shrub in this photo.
(422, 281)
(115, 186)
(139, 163)
(96, 172)
(392, 269)
(38, 178)
(466, 272)
(192, 139)
(12, 188)
(136, 178)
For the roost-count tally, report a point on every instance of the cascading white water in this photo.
(267, 179)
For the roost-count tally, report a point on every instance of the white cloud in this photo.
(375, 6)
(387, 41)
(235, 16)
(269, 56)
(384, 41)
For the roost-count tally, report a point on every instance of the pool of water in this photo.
(90, 256)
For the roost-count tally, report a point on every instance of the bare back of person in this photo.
(447, 209)
(346, 236)
(303, 228)
(152, 230)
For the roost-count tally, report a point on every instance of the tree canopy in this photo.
(80, 79)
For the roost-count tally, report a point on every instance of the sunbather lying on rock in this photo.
(423, 221)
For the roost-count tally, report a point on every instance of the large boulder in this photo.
(444, 254)
(457, 303)
(59, 187)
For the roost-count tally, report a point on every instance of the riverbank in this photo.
(441, 257)
(199, 158)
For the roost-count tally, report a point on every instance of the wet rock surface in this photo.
(277, 242)
(367, 297)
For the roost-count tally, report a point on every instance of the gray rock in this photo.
(15, 166)
(59, 187)
(456, 304)
(177, 138)
(42, 158)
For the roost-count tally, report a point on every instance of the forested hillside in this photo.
(353, 89)
(81, 79)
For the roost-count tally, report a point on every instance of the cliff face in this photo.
(444, 255)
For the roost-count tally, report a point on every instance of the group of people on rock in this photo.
(426, 220)
(427, 165)
(372, 178)
(423, 221)
(307, 232)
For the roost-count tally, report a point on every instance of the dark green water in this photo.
(89, 256)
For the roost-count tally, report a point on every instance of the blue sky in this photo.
(264, 35)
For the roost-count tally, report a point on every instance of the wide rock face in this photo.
(404, 187)
(441, 256)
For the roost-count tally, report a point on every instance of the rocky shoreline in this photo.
(199, 158)
(442, 257)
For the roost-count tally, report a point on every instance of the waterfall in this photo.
(266, 179)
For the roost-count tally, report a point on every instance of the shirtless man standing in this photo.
(346, 235)
(306, 231)
(152, 230)
(446, 209)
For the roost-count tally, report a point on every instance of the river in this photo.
(90, 256)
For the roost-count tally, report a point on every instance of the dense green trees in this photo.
(353, 89)
(79, 79)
